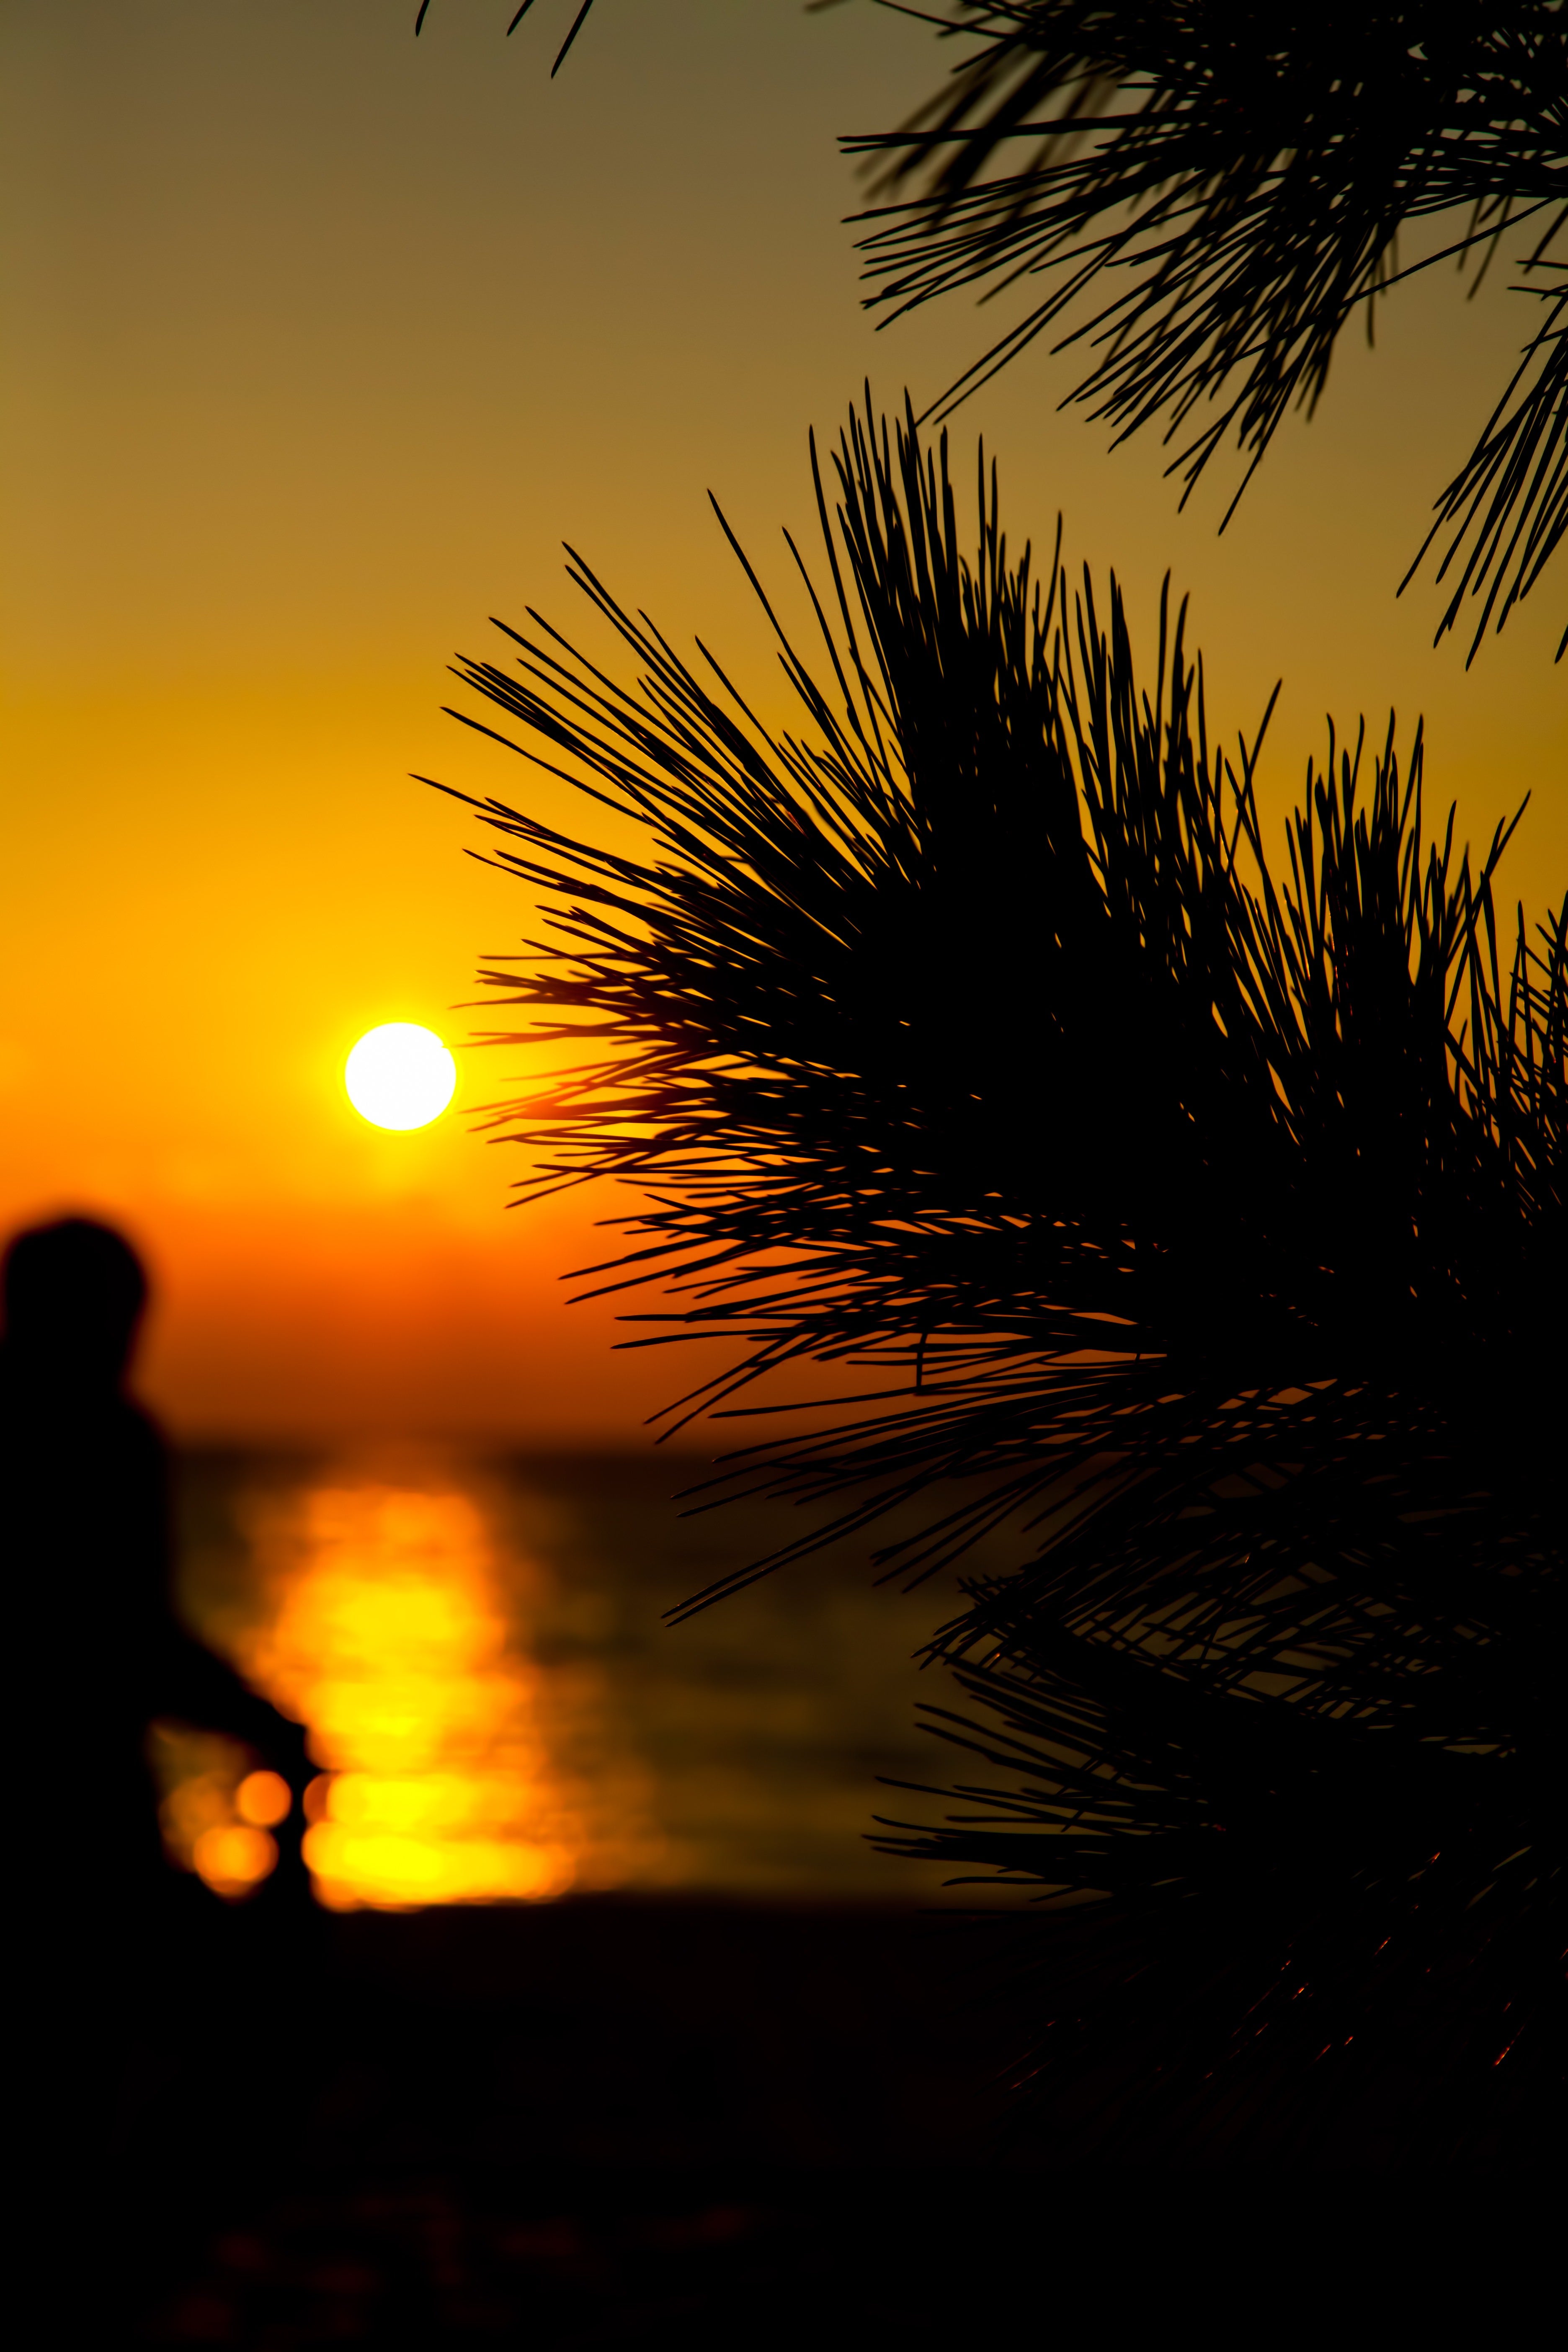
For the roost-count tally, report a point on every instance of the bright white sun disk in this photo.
(400, 1075)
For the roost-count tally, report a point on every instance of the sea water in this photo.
(501, 1710)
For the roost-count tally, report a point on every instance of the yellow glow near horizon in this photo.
(400, 1075)
(391, 1641)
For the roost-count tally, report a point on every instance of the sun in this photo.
(400, 1075)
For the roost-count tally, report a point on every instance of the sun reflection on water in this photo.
(387, 1634)
(497, 1708)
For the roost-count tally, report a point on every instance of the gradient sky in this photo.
(318, 343)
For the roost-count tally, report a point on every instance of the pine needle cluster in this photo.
(1229, 183)
(1209, 1225)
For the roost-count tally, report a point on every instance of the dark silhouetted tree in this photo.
(1210, 1223)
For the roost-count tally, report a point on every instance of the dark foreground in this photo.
(608, 2122)
(592, 2123)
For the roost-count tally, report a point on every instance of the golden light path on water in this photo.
(479, 1649)
(384, 1631)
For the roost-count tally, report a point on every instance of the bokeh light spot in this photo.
(202, 1776)
(234, 1857)
(263, 1798)
(400, 1075)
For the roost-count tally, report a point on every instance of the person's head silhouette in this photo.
(74, 1293)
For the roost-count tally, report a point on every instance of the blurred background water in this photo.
(478, 1645)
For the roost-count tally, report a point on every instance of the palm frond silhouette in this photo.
(1230, 185)
(1211, 1224)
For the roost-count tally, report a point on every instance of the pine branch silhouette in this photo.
(1230, 185)
(577, 23)
(1231, 182)
(1210, 1223)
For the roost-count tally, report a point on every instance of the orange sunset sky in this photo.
(318, 343)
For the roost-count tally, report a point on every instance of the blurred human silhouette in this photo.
(98, 1652)
(110, 1942)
